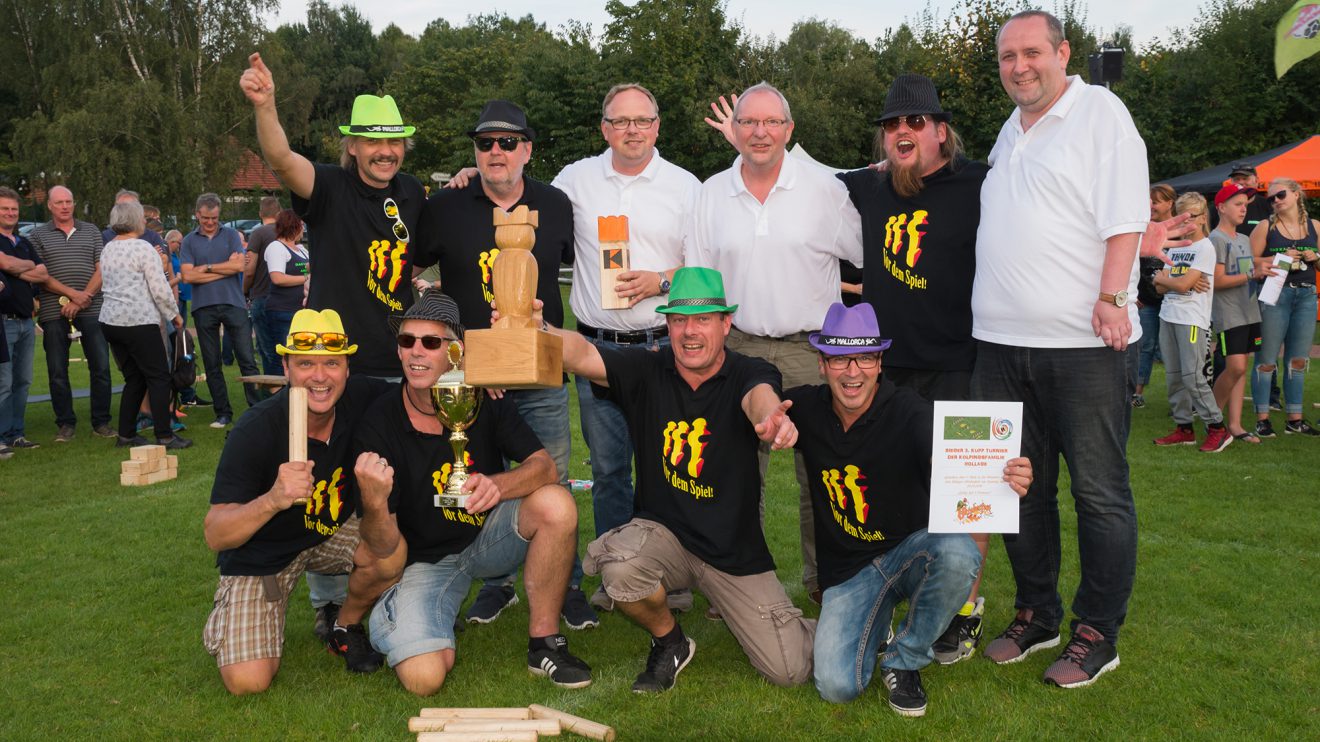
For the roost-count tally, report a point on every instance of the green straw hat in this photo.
(697, 291)
(375, 117)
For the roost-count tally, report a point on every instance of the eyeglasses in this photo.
(430, 342)
(1278, 196)
(915, 122)
(392, 212)
(641, 122)
(508, 144)
(840, 363)
(305, 341)
(771, 124)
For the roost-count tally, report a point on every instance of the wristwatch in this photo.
(664, 284)
(207, 269)
(1118, 298)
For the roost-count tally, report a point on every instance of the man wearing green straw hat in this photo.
(362, 214)
(697, 413)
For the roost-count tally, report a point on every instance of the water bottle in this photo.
(580, 485)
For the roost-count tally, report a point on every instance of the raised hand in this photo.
(257, 83)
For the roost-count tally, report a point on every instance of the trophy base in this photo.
(514, 358)
(451, 501)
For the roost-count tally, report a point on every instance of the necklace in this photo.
(407, 394)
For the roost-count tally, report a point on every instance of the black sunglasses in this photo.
(430, 342)
(915, 122)
(1279, 196)
(508, 144)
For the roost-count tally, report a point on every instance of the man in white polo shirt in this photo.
(1062, 211)
(630, 179)
(773, 221)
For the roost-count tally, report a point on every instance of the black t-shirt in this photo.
(695, 451)
(422, 462)
(1258, 210)
(17, 295)
(870, 485)
(458, 235)
(919, 262)
(849, 273)
(257, 242)
(1146, 292)
(250, 463)
(360, 268)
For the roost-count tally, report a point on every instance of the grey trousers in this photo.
(1188, 351)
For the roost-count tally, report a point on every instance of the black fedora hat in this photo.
(912, 94)
(502, 117)
(433, 306)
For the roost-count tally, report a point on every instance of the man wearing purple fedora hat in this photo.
(859, 430)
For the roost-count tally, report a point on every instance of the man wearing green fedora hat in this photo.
(363, 214)
(697, 413)
(271, 519)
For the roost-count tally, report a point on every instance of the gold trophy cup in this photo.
(74, 332)
(456, 405)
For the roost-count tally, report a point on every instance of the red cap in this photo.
(1230, 190)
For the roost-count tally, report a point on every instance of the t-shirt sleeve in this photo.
(1221, 244)
(624, 372)
(513, 435)
(186, 252)
(250, 460)
(1205, 259)
(276, 257)
(757, 371)
(313, 210)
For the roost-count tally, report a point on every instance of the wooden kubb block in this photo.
(146, 453)
(514, 358)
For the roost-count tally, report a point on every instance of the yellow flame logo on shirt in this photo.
(899, 226)
(679, 435)
(328, 495)
(387, 260)
(847, 488)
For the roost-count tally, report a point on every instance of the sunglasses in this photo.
(915, 122)
(392, 212)
(305, 341)
(508, 144)
(1279, 196)
(430, 342)
(840, 363)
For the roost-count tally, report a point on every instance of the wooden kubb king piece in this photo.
(515, 353)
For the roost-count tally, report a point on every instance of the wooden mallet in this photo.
(298, 427)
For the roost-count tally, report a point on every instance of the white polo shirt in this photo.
(780, 259)
(658, 203)
(1054, 194)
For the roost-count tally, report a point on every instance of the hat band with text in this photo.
(848, 342)
(376, 129)
(698, 303)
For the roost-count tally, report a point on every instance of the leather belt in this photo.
(621, 337)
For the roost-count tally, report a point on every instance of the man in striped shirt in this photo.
(71, 250)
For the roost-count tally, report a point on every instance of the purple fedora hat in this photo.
(848, 330)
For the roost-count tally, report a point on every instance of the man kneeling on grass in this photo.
(867, 447)
(696, 414)
(511, 517)
(271, 518)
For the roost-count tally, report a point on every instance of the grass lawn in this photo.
(109, 587)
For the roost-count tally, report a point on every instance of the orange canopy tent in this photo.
(1299, 161)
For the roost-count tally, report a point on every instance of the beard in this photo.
(907, 180)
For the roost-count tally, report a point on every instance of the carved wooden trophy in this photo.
(613, 231)
(515, 353)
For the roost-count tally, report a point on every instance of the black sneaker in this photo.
(64, 434)
(906, 696)
(1021, 638)
(326, 616)
(663, 665)
(351, 643)
(576, 612)
(21, 443)
(137, 440)
(1300, 427)
(490, 603)
(1264, 429)
(553, 660)
(174, 442)
(959, 641)
(197, 402)
(104, 431)
(1087, 657)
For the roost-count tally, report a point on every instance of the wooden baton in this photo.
(514, 712)
(575, 724)
(298, 427)
(491, 736)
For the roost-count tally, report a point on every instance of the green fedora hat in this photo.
(696, 291)
(377, 117)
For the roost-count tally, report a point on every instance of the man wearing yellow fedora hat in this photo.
(697, 413)
(271, 518)
(363, 214)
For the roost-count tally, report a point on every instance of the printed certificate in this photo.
(972, 442)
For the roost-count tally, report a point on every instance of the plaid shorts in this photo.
(247, 622)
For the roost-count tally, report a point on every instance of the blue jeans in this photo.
(606, 432)
(234, 319)
(55, 341)
(1150, 342)
(16, 377)
(1076, 402)
(266, 325)
(416, 616)
(1288, 325)
(932, 571)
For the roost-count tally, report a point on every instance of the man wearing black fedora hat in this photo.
(460, 241)
(362, 212)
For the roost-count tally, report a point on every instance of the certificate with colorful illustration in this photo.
(972, 443)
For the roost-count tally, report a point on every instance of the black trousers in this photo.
(140, 353)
